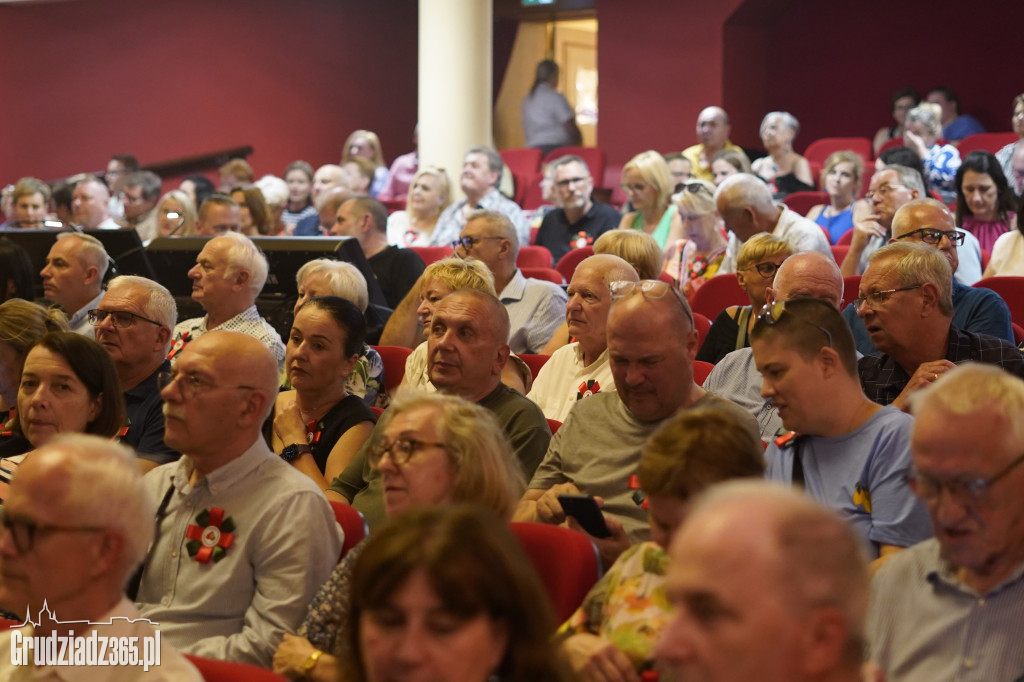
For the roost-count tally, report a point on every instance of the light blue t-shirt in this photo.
(862, 476)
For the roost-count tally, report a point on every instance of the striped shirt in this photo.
(924, 624)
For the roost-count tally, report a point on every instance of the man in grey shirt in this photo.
(953, 607)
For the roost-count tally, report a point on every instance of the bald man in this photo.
(89, 205)
(243, 539)
(713, 132)
(581, 369)
(747, 208)
(805, 275)
(977, 310)
(790, 568)
(651, 346)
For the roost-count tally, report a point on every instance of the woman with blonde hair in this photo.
(430, 450)
(841, 179)
(365, 144)
(698, 255)
(429, 194)
(648, 184)
(175, 215)
(756, 264)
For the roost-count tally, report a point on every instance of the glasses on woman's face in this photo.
(400, 451)
(634, 188)
(766, 269)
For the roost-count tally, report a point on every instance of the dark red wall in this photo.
(166, 78)
(832, 64)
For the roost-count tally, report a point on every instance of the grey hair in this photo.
(917, 264)
(92, 250)
(243, 254)
(788, 120)
(343, 279)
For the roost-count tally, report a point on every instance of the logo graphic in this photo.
(92, 649)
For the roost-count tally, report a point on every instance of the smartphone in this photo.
(584, 509)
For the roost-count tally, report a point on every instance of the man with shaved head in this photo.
(89, 205)
(243, 539)
(651, 347)
(747, 208)
(977, 310)
(790, 568)
(735, 377)
(581, 369)
(713, 132)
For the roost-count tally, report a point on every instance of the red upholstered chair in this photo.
(846, 239)
(393, 358)
(986, 256)
(567, 264)
(393, 205)
(701, 370)
(819, 150)
(594, 157)
(6, 624)
(801, 202)
(226, 671)
(532, 196)
(549, 274)
(1012, 291)
(703, 325)
(890, 143)
(989, 142)
(839, 252)
(430, 254)
(554, 425)
(1018, 334)
(851, 286)
(533, 257)
(352, 522)
(717, 294)
(534, 361)
(524, 162)
(566, 561)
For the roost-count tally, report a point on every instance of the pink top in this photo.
(988, 232)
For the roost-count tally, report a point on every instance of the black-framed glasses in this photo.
(876, 298)
(651, 289)
(401, 450)
(468, 243)
(191, 384)
(121, 319)
(933, 235)
(570, 181)
(963, 489)
(771, 313)
(697, 187)
(24, 531)
(766, 269)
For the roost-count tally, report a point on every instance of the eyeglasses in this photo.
(932, 235)
(570, 181)
(401, 450)
(766, 269)
(771, 313)
(963, 489)
(883, 191)
(876, 298)
(635, 188)
(468, 243)
(121, 319)
(191, 384)
(651, 289)
(696, 187)
(23, 531)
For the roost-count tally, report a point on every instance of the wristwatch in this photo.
(294, 451)
(310, 663)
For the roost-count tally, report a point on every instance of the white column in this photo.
(455, 107)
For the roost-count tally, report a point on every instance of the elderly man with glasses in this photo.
(74, 529)
(978, 310)
(651, 348)
(243, 539)
(906, 306)
(536, 308)
(578, 220)
(133, 322)
(950, 608)
(841, 448)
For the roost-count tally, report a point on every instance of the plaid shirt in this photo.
(883, 379)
